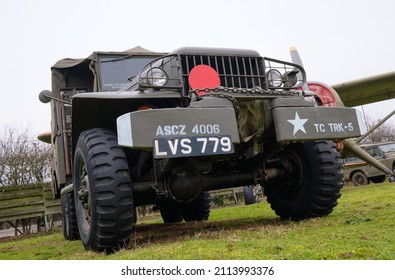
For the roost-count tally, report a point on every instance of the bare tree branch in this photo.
(23, 159)
(384, 133)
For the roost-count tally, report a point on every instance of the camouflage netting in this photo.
(251, 119)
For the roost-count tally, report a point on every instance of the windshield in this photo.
(350, 160)
(388, 148)
(115, 70)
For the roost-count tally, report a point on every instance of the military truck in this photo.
(361, 173)
(137, 127)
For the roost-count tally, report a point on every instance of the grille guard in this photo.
(242, 72)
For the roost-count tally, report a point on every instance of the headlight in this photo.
(156, 77)
(274, 78)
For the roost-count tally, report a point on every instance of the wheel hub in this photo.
(293, 178)
(83, 195)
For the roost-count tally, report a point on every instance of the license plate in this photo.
(192, 146)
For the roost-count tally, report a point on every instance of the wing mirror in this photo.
(46, 96)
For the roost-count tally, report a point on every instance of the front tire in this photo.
(310, 186)
(102, 191)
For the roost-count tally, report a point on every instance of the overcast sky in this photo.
(338, 40)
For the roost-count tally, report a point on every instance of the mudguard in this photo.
(315, 123)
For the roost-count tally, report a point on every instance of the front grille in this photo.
(238, 72)
(235, 72)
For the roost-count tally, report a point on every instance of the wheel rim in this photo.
(359, 179)
(292, 182)
(84, 199)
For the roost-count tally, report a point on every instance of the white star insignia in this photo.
(298, 123)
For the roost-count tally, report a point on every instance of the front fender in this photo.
(101, 109)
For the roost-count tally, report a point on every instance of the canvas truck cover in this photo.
(70, 76)
(82, 72)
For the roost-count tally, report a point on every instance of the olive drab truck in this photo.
(142, 128)
(360, 173)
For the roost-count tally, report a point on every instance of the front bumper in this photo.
(317, 123)
(147, 128)
(140, 129)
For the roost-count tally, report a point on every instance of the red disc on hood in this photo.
(203, 76)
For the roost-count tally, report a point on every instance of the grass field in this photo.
(362, 226)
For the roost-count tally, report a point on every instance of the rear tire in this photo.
(135, 218)
(102, 191)
(170, 211)
(197, 210)
(378, 179)
(359, 179)
(69, 217)
(310, 186)
(249, 195)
